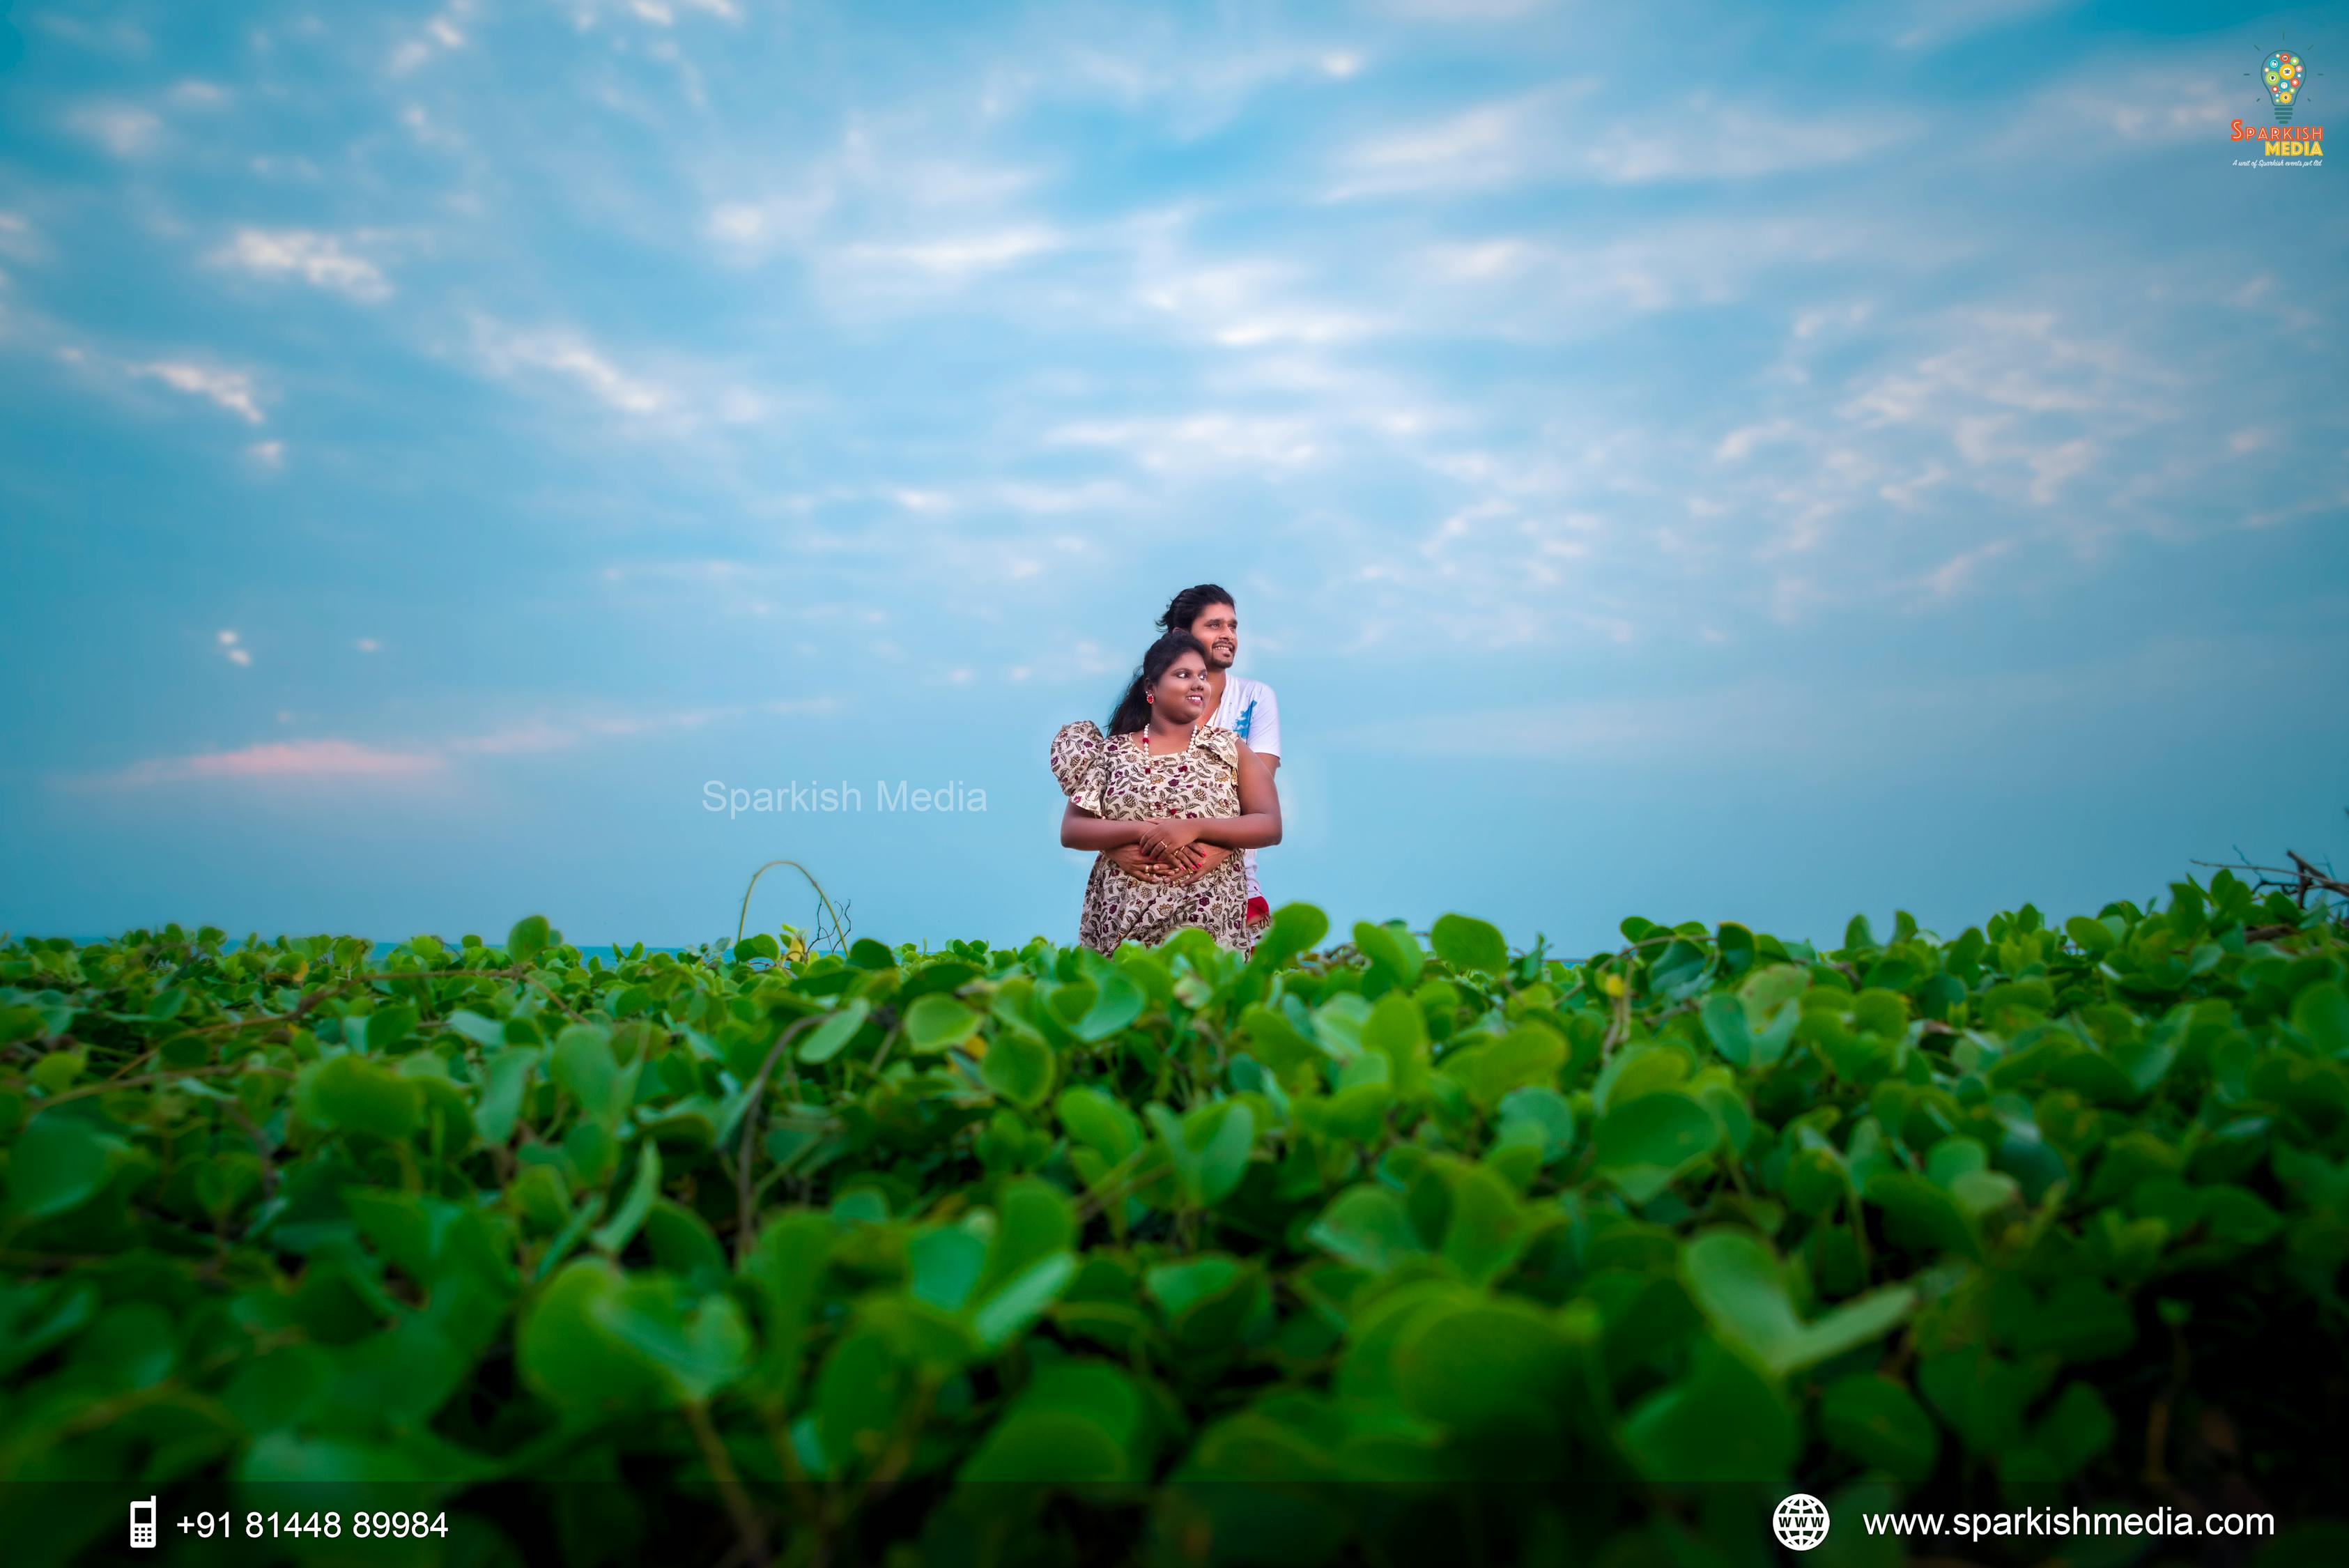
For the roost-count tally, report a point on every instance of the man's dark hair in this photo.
(1191, 603)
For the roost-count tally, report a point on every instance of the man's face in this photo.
(1218, 626)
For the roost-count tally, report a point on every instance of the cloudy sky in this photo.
(1672, 461)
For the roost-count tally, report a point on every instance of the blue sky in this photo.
(1681, 460)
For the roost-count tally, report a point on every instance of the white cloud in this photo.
(570, 356)
(318, 259)
(1527, 284)
(18, 241)
(269, 454)
(441, 34)
(903, 187)
(1540, 136)
(1248, 304)
(1739, 142)
(1196, 442)
(953, 257)
(274, 761)
(231, 389)
(198, 95)
(125, 132)
(1495, 143)
(1181, 68)
(1928, 24)
(1959, 572)
(1465, 10)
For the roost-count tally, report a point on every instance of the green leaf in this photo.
(58, 1165)
(1117, 1003)
(1739, 1286)
(1014, 1307)
(2321, 1012)
(1724, 1017)
(1210, 1148)
(1395, 961)
(861, 1394)
(1500, 1367)
(935, 1022)
(1642, 1145)
(1879, 1423)
(582, 1065)
(1486, 1232)
(1020, 1069)
(617, 1233)
(1368, 1227)
(1922, 1215)
(507, 1079)
(1294, 928)
(1397, 1031)
(2095, 937)
(1034, 1221)
(1467, 943)
(530, 936)
(829, 1038)
(1047, 1447)
(786, 1270)
(1531, 1054)
(691, 1351)
(565, 1354)
(1723, 1422)
(353, 1094)
(943, 1266)
(1098, 1121)
(1537, 1116)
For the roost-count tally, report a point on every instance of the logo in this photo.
(2281, 78)
(1800, 1523)
(142, 1525)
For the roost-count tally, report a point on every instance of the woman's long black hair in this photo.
(1133, 710)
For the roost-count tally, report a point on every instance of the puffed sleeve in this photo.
(1223, 744)
(1080, 762)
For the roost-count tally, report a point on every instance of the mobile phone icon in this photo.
(142, 1525)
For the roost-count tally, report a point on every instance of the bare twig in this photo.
(110, 1084)
(747, 1522)
(839, 928)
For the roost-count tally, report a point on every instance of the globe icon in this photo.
(1800, 1523)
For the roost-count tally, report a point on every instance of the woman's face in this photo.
(1182, 693)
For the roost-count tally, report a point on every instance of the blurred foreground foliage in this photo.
(1412, 1244)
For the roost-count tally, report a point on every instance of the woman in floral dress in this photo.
(1166, 779)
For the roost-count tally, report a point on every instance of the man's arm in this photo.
(1263, 730)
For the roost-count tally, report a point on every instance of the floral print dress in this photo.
(1115, 777)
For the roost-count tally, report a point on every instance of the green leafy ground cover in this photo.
(1404, 1246)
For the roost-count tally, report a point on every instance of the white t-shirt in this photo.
(1251, 712)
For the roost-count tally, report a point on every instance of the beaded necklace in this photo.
(1142, 735)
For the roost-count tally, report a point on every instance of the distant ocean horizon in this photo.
(605, 950)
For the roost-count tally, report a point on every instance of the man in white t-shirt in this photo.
(1246, 708)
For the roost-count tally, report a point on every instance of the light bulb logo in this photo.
(2283, 77)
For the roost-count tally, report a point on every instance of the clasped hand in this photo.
(1168, 849)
